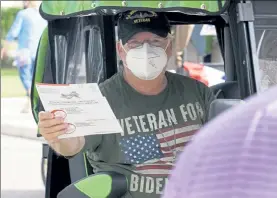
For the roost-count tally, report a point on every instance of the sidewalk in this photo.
(14, 123)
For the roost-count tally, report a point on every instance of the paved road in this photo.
(13, 122)
(20, 168)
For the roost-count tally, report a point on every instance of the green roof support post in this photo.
(39, 70)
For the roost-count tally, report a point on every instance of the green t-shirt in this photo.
(156, 128)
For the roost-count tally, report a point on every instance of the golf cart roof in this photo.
(52, 10)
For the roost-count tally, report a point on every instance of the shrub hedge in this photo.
(7, 18)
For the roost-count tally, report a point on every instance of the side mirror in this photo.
(104, 184)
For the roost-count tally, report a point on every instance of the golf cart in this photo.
(79, 47)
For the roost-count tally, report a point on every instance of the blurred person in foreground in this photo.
(27, 29)
(232, 156)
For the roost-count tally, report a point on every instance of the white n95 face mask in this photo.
(147, 62)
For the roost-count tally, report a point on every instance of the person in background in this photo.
(27, 29)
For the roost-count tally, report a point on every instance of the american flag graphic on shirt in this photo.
(154, 154)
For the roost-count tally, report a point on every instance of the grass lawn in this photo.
(10, 83)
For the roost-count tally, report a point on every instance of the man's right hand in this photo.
(50, 127)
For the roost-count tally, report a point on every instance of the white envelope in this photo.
(82, 106)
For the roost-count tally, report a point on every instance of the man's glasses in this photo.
(156, 42)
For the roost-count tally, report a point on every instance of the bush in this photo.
(7, 18)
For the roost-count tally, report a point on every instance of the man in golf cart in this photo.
(159, 111)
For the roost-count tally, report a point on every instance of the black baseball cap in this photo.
(133, 22)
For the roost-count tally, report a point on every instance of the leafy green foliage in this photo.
(7, 18)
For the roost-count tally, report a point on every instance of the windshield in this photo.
(76, 50)
(266, 40)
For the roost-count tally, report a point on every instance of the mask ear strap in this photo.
(124, 51)
(167, 45)
(123, 46)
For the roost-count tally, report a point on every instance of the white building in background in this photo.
(13, 4)
(10, 4)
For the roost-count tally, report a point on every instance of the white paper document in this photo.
(82, 106)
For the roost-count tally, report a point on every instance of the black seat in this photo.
(79, 167)
(227, 90)
(218, 106)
